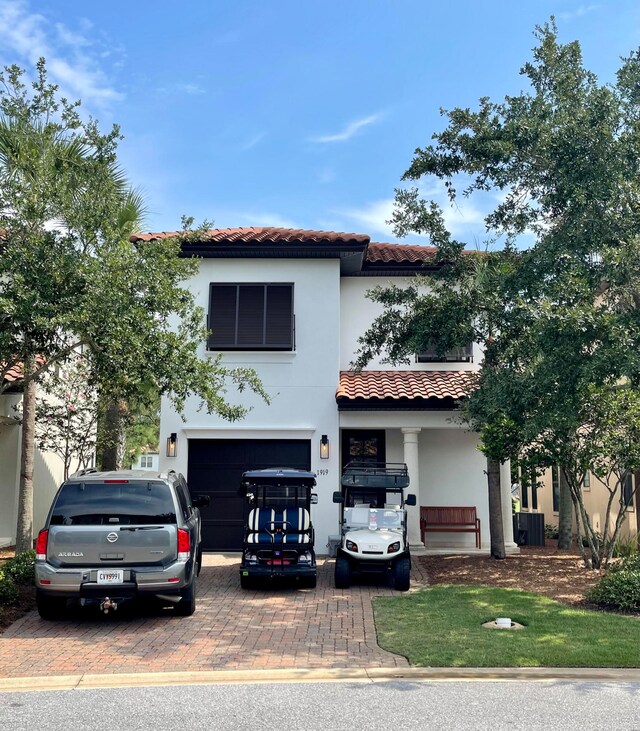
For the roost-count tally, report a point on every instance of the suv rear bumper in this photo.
(80, 583)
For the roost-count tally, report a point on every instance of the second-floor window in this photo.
(463, 354)
(251, 317)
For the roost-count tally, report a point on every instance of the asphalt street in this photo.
(347, 706)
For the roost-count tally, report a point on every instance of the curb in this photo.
(359, 675)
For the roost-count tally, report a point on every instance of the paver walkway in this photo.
(231, 629)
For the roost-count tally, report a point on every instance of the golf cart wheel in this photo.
(50, 607)
(187, 604)
(402, 574)
(342, 573)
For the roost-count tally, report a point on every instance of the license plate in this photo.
(110, 577)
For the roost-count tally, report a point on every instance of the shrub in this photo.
(8, 590)
(629, 563)
(626, 547)
(21, 568)
(550, 531)
(619, 589)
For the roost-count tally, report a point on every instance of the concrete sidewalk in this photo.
(232, 629)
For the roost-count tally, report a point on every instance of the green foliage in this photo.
(618, 590)
(8, 588)
(630, 562)
(21, 568)
(560, 321)
(550, 531)
(143, 429)
(627, 548)
(82, 285)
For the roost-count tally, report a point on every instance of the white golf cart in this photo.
(374, 523)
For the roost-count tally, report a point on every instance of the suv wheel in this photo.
(402, 573)
(199, 560)
(342, 573)
(50, 607)
(187, 604)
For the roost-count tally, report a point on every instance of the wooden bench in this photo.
(449, 520)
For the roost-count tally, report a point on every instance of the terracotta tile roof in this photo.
(377, 252)
(15, 373)
(264, 235)
(404, 385)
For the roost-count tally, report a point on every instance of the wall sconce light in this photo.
(324, 447)
(172, 444)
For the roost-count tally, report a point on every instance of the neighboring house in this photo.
(148, 461)
(545, 499)
(292, 304)
(47, 474)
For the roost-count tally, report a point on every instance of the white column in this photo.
(412, 460)
(507, 509)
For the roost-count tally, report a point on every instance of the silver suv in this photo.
(115, 536)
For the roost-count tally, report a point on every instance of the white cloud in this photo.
(465, 220)
(191, 88)
(350, 130)
(578, 12)
(72, 58)
(263, 218)
(253, 141)
(373, 217)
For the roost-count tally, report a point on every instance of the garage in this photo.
(215, 467)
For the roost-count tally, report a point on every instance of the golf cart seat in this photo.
(268, 525)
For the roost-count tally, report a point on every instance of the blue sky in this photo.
(292, 112)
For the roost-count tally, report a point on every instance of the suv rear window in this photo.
(99, 503)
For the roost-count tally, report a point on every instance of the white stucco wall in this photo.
(302, 383)
(48, 473)
(330, 314)
(155, 462)
(452, 469)
(358, 314)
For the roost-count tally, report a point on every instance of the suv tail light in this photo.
(41, 545)
(184, 544)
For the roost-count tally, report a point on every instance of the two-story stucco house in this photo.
(291, 304)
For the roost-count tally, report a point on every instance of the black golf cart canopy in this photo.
(285, 476)
(388, 476)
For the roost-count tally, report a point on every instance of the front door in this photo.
(363, 445)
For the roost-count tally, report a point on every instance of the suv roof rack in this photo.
(382, 475)
(84, 471)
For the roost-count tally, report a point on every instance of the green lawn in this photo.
(441, 627)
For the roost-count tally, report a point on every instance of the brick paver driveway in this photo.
(231, 629)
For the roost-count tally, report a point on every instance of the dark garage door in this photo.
(215, 469)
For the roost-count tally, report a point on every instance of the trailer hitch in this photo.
(107, 605)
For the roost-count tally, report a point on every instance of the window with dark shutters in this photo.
(251, 317)
(462, 354)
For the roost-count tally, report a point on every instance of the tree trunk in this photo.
(496, 529)
(565, 513)
(636, 497)
(24, 528)
(113, 434)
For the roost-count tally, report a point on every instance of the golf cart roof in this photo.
(279, 476)
(381, 475)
